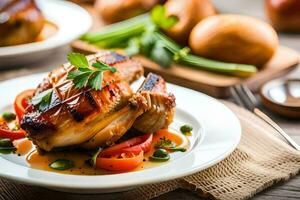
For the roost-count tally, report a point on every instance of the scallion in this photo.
(61, 164)
(160, 155)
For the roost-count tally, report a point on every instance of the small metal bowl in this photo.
(282, 96)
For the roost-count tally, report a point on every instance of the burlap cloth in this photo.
(260, 160)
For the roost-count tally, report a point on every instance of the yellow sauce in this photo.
(23, 146)
(48, 30)
(42, 161)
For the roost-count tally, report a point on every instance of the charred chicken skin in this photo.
(20, 22)
(92, 118)
(150, 109)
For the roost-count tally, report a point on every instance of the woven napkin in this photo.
(260, 160)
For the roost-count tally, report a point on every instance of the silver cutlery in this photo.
(243, 96)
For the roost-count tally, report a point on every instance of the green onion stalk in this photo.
(117, 35)
(181, 55)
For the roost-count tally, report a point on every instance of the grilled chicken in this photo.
(149, 110)
(161, 105)
(20, 22)
(76, 115)
(90, 118)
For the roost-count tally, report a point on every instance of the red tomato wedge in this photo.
(21, 102)
(126, 163)
(134, 145)
(13, 135)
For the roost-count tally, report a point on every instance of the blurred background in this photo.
(254, 8)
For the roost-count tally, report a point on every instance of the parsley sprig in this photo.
(84, 75)
(167, 144)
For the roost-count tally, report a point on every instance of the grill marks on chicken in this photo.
(93, 118)
(128, 70)
(75, 115)
(20, 22)
(149, 110)
(160, 105)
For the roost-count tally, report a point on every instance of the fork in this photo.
(243, 96)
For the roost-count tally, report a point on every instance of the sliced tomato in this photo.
(126, 162)
(134, 145)
(21, 102)
(13, 135)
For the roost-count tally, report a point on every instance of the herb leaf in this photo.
(164, 143)
(102, 66)
(147, 42)
(161, 55)
(96, 81)
(78, 60)
(42, 99)
(85, 76)
(93, 159)
(167, 144)
(37, 99)
(158, 16)
(133, 47)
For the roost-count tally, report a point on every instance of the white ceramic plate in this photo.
(216, 134)
(71, 20)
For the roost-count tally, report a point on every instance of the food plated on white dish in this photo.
(96, 125)
(31, 29)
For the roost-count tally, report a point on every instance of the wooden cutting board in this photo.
(214, 84)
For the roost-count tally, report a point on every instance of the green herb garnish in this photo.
(61, 164)
(85, 76)
(158, 16)
(6, 146)
(78, 60)
(7, 150)
(133, 47)
(8, 116)
(5, 142)
(164, 143)
(181, 149)
(160, 155)
(93, 159)
(145, 36)
(186, 129)
(161, 55)
(43, 99)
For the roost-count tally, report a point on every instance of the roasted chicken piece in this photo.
(21, 21)
(93, 118)
(75, 115)
(149, 110)
(160, 103)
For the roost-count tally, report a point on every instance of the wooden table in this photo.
(289, 190)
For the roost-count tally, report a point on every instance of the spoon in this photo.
(282, 96)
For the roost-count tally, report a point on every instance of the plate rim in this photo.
(93, 186)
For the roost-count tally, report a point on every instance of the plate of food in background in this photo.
(96, 124)
(30, 30)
